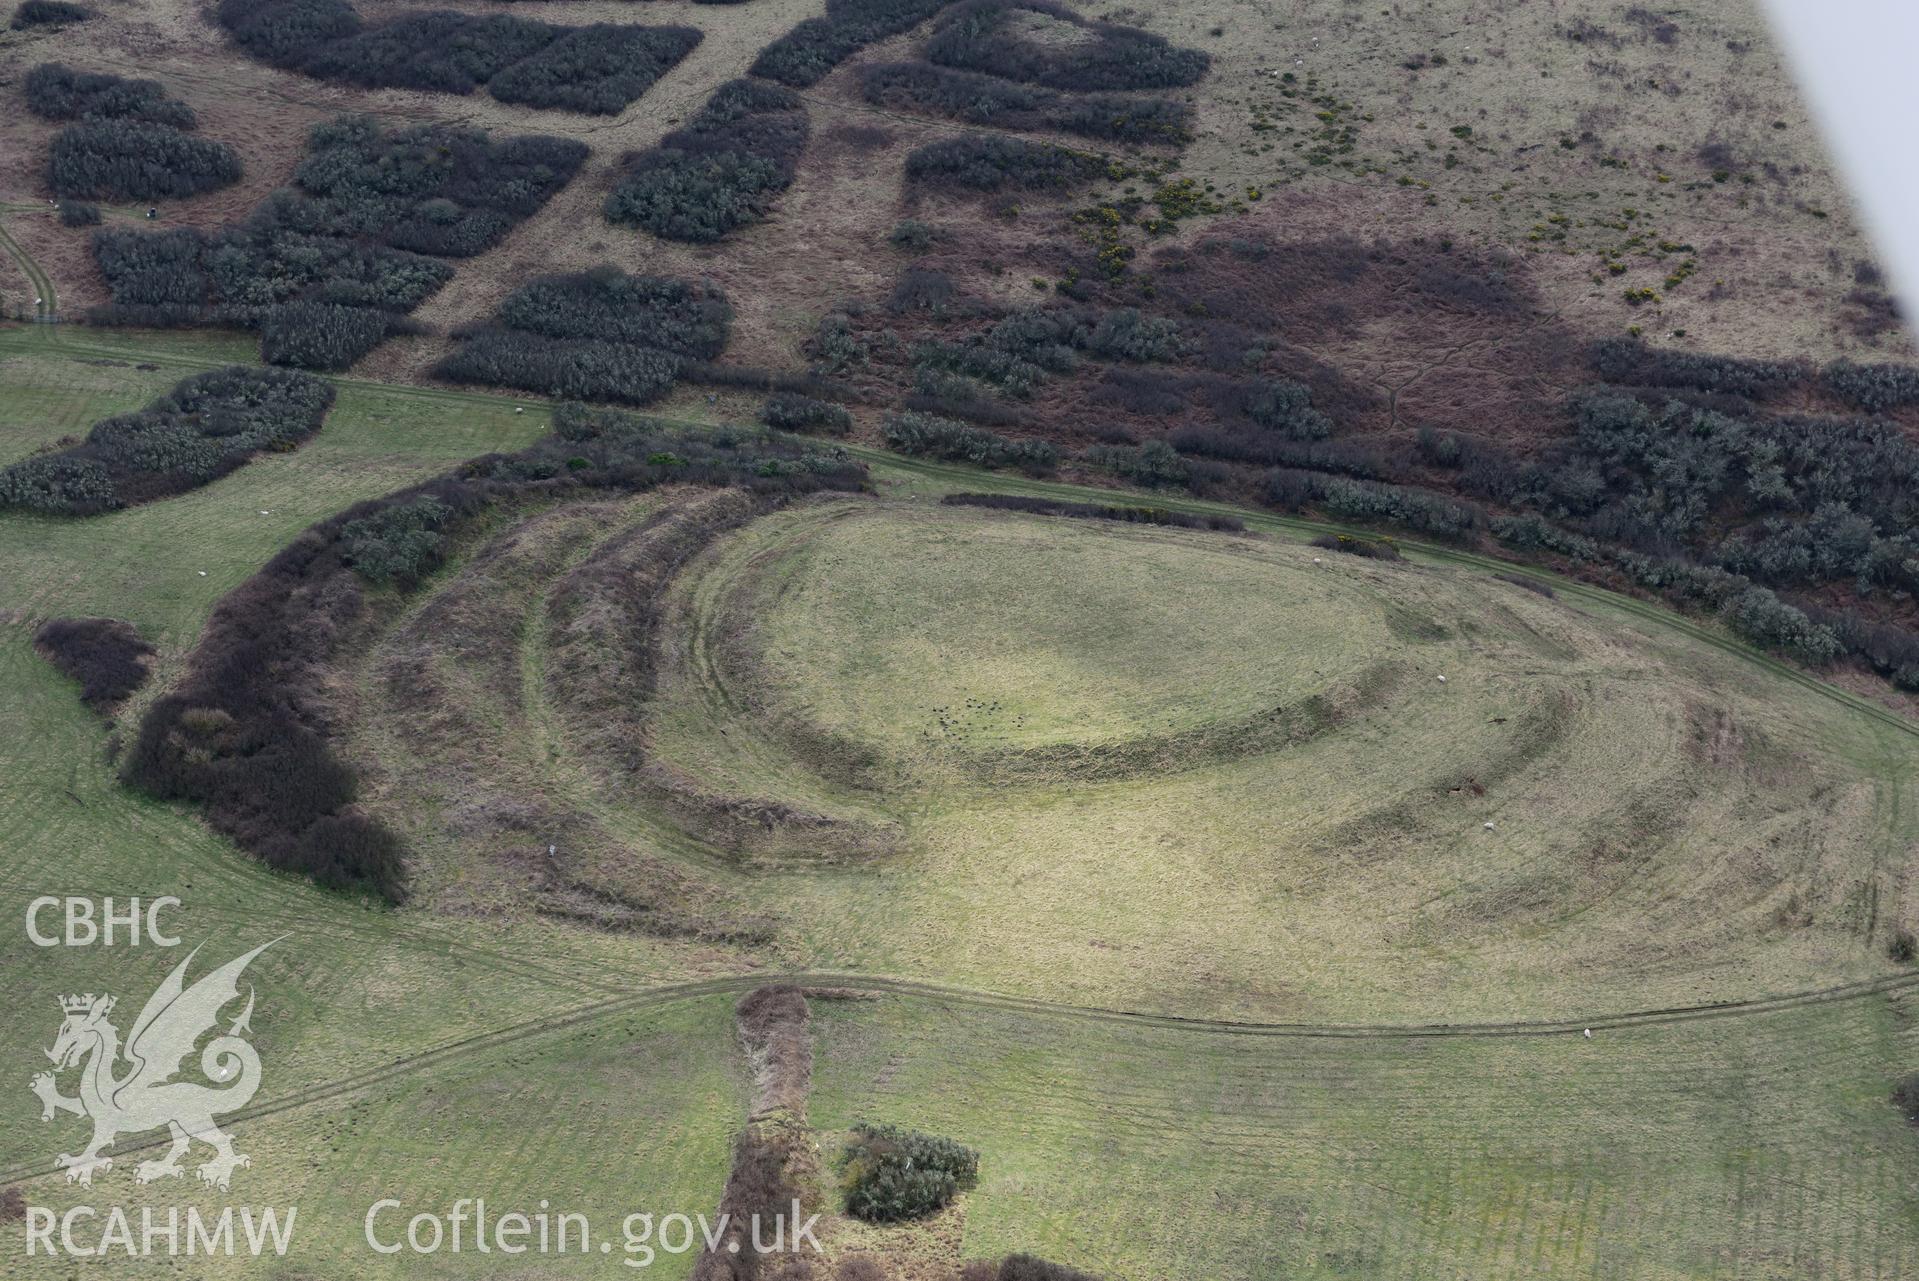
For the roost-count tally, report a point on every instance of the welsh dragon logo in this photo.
(144, 1096)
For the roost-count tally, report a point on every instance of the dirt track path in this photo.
(972, 998)
(47, 303)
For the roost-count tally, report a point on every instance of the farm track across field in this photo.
(49, 304)
(672, 993)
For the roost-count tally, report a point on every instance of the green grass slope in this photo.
(1758, 1147)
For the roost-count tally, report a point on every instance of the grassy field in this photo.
(1750, 1148)
(1676, 821)
(633, 1114)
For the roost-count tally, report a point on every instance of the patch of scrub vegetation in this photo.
(131, 140)
(719, 173)
(1138, 515)
(1019, 350)
(934, 437)
(790, 411)
(889, 1174)
(1185, 422)
(1873, 388)
(107, 656)
(992, 162)
(327, 268)
(597, 335)
(1905, 1097)
(48, 13)
(1023, 1267)
(1790, 502)
(1048, 44)
(1000, 104)
(124, 160)
(1370, 548)
(1629, 361)
(596, 69)
(208, 425)
(55, 91)
(803, 56)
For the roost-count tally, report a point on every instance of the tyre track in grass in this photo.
(49, 301)
(453, 1052)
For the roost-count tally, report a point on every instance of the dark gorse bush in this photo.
(1873, 388)
(802, 57)
(597, 335)
(205, 427)
(992, 36)
(597, 69)
(400, 543)
(935, 437)
(48, 13)
(329, 267)
(1905, 1097)
(790, 411)
(993, 162)
(1027, 1267)
(130, 160)
(1128, 514)
(890, 1174)
(55, 91)
(1003, 104)
(1629, 361)
(107, 656)
(719, 173)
